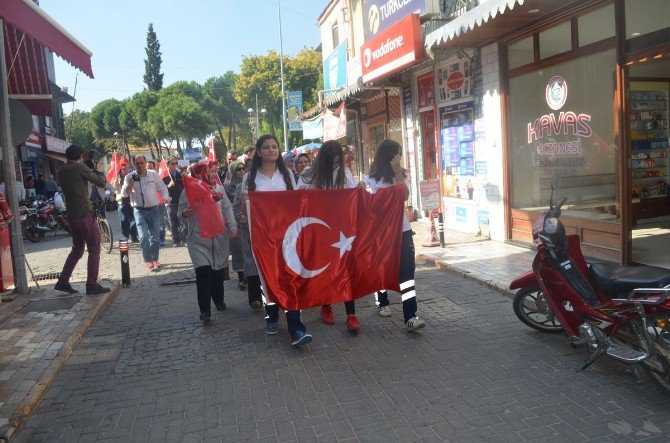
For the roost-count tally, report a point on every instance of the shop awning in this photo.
(343, 93)
(491, 20)
(33, 21)
(57, 157)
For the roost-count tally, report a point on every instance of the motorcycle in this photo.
(615, 311)
(43, 217)
(29, 223)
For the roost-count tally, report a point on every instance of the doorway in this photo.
(648, 99)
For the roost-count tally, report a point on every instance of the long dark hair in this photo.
(381, 169)
(321, 173)
(256, 163)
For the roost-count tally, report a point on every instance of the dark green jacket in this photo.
(73, 178)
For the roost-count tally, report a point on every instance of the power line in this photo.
(292, 10)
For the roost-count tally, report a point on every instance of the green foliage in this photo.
(78, 130)
(153, 77)
(104, 118)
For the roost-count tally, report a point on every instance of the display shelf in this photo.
(649, 169)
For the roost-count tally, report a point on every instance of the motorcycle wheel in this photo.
(533, 310)
(661, 353)
(33, 235)
(106, 236)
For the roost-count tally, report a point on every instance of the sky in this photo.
(199, 39)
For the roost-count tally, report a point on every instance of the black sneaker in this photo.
(221, 307)
(65, 287)
(256, 305)
(205, 317)
(96, 289)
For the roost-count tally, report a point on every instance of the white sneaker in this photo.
(385, 311)
(414, 324)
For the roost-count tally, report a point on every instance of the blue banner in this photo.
(335, 68)
(379, 15)
(294, 110)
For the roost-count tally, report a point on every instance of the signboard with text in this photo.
(430, 194)
(335, 68)
(391, 50)
(379, 15)
(294, 100)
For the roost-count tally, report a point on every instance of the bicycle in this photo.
(106, 235)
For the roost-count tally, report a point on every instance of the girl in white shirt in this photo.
(328, 172)
(269, 173)
(386, 171)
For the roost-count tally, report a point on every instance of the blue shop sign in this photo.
(483, 217)
(379, 15)
(335, 68)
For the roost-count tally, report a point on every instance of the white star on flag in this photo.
(344, 244)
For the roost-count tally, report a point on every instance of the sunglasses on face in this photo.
(239, 169)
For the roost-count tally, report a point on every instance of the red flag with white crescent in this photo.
(163, 170)
(322, 247)
(212, 150)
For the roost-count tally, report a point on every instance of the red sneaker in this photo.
(353, 325)
(149, 265)
(327, 315)
(157, 265)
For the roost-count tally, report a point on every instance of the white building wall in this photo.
(492, 114)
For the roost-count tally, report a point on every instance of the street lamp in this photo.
(253, 111)
(125, 150)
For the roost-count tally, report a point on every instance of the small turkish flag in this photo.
(114, 168)
(321, 247)
(212, 151)
(163, 170)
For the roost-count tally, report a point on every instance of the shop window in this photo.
(556, 40)
(520, 53)
(562, 124)
(646, 16)
(596, 26)
(336, 36)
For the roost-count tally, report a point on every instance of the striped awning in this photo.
(31, 19)
(27, 78)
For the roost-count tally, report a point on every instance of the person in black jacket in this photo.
(175, 187)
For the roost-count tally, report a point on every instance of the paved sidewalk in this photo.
(493, 263)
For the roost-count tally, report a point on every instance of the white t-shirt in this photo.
(373, 185)
(348, 179)
(263, 183)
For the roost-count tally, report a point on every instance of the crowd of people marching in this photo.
(152, 200)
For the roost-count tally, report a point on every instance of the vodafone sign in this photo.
(393, 49)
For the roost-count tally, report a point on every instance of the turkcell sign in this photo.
(393, 49)
(379, 15)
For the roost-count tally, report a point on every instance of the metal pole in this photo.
(281, 67)
(125, 263)
(258, 129)
(9, 172)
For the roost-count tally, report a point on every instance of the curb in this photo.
(466, 274)
(24, 409)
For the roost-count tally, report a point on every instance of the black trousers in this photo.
(406, 278)
(254, 291)
(349, 307)
(209, 284)
(128, 225)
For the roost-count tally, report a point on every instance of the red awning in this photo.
(29, 18)
(27, 78)
(57, 157)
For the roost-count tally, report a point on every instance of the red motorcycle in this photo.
(616, 311)
(42, 218)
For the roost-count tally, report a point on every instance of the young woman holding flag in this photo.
(269, 173)
(386, 171)
(209, 252)
(327, 172)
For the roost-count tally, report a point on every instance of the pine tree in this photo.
(152, 65)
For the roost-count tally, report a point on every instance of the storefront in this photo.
(584, 97)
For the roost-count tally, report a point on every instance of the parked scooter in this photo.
(43, 217)
(621, 312)
(29, 223)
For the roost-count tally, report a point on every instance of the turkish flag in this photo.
(212, 150)
(163, 170)
(321, 247)
(114, 168)
(204, 207)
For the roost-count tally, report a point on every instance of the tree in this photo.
(227, 114)
(261, 75)
(153, 77)
(104, 121)
(78, 131)
(135, 121)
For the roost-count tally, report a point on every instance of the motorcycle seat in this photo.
(618, 281)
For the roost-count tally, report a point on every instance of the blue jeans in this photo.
(128, 225)
(148, 228)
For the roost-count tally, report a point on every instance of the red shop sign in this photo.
(455, 80)
(393, 49)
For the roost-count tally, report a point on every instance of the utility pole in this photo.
(281, 67)
(9, 172)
